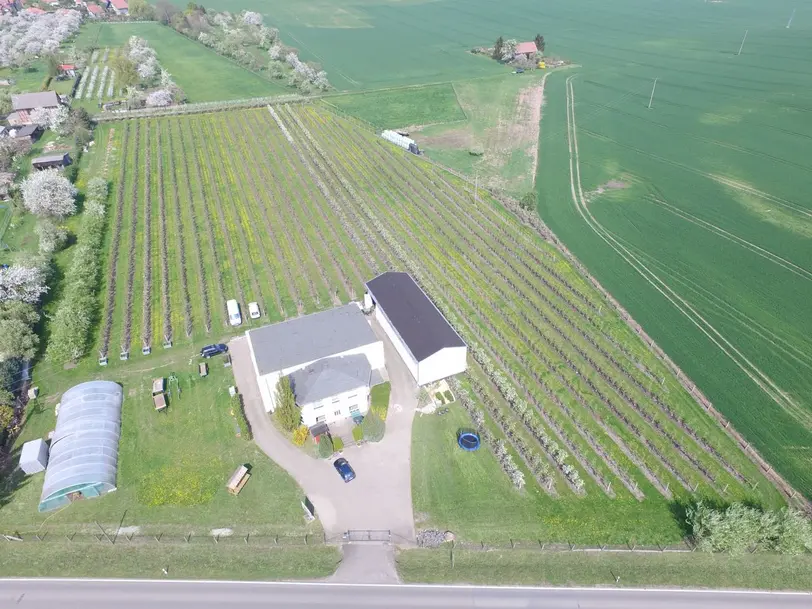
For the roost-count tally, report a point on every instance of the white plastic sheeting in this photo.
(397, 139)
(84, 448)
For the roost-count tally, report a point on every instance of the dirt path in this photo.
(538, 104)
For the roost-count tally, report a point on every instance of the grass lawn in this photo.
(401, 108)
(379, 398)
(533, 567)
(499, 115)
(237, 562)
(468, 494)
(201, 73)
(173, 466)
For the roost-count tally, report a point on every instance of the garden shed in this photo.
(84, 448)
(51, 161)
(34, 456)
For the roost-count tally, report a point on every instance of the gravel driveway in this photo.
(380, 497)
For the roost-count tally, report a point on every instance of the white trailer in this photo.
(401, 140)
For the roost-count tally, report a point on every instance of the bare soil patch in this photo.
(462, 139)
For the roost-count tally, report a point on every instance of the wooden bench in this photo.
(203, 369)
(238, 480)
(158, 397)
(159, 400)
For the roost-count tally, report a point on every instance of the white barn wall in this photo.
(443, 364)
(329, 407)
(397, 341)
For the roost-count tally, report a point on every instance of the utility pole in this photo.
(791, 17)
(742, 45)
(651, 99)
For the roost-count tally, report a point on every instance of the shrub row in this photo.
(74, 318)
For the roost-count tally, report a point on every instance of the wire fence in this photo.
(198, 108)
(126, 538)
(541, 546)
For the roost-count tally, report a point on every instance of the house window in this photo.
(337, 413)
(317, 406)
(336, 400)
(352, 397)
(321, 419)
(354, 409)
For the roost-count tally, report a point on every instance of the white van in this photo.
(234, 317)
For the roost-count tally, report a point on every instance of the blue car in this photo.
(344, 469)
(212, 350)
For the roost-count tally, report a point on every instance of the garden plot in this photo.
(98, 80)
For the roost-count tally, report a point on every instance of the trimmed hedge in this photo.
(325, 449)
(374, 427)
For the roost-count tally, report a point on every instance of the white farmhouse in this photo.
(430, 347)
(329, 357)
(332, 389)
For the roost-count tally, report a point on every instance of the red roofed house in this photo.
(528, 49)
(68, 69)
(95, 10)
(120, 7)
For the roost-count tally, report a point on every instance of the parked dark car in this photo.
(212, 350)
(344, 469)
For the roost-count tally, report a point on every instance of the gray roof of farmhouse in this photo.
(84, 448)
(330, 376)
(29, 101)
(309, 338)
(415, 318)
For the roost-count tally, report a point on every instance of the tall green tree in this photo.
(126, 72)
(140, 9)
(539, 42)
(52, 62)
(287, 412)
(17, 340)
(497, 48)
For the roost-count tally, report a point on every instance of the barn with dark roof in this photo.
(430, 347)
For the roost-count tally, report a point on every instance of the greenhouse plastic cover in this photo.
(84, 448)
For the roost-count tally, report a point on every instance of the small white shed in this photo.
(34, 457)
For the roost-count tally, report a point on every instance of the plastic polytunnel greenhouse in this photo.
(84, 447)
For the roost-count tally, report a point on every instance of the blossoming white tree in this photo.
(26, 35)
(251, 18)
(23, 283)
(49, 193)
(159, 98)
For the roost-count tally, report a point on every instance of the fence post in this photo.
(246, 538)
(452, 554)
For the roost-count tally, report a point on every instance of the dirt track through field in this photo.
(764, 382)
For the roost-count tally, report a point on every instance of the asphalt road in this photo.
(88, 594)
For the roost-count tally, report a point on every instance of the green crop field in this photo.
(295, 208)
(201, 73)
(403, 107)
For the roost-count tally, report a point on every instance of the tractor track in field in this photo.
(761, 379)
